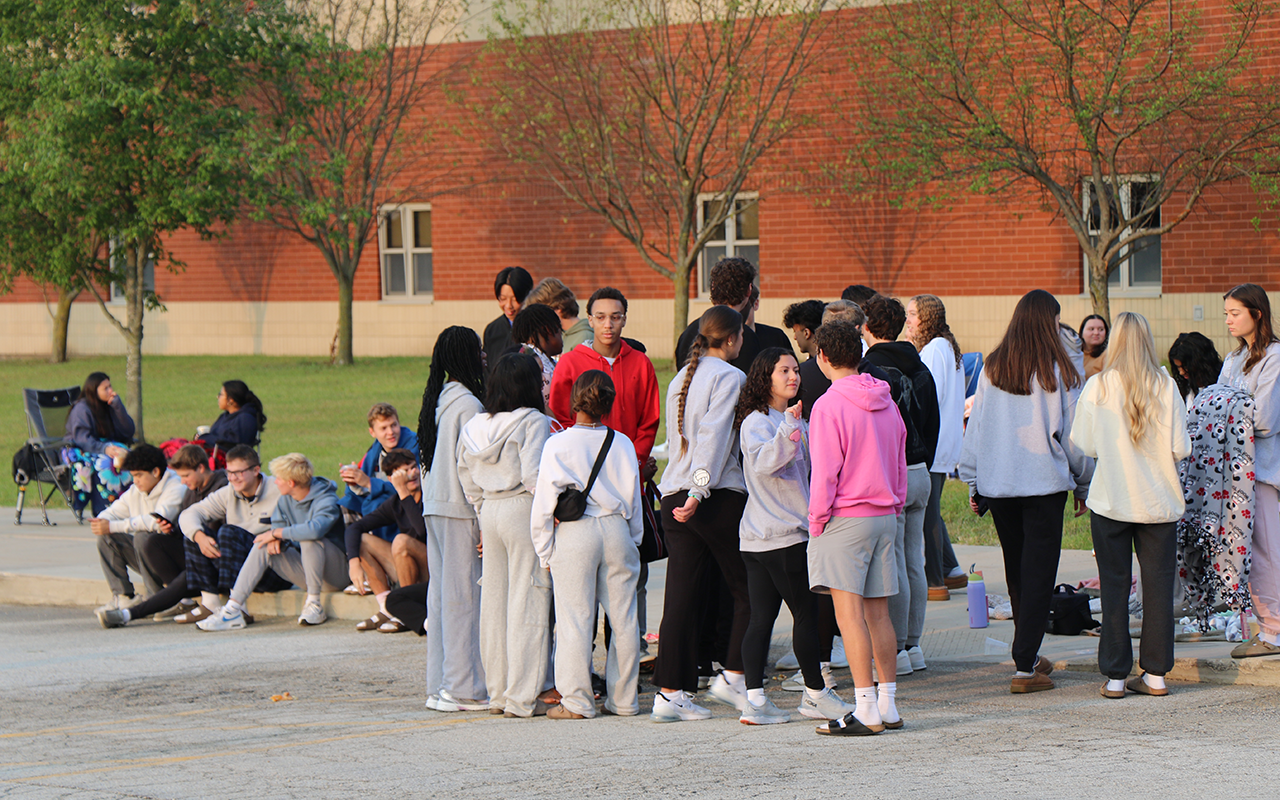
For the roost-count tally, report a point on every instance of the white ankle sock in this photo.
(124, 612)
(1020, 674)
(381, 597)
(232, 605)
(1269, 638)
(885, 702)
(1154, 681)
(813, 694)
(1115, 685)
(755, 697)
(865, 708)
(735, 679)
(313, 598)
(210, 600)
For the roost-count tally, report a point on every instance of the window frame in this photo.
(731, 241)
(408, 250)
(1125, 286)
(115, 294)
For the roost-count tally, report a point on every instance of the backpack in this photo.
(1069, 613)
(904, 390)
(26, 465)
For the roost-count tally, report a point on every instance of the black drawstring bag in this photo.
(1069, 613)
(572, 503)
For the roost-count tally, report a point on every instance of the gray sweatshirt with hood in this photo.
(316, 516)
(498, 454)
(442, 494)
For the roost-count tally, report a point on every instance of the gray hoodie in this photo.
(498, 454)
(442, 494)
(316, 516)
(775, 463)
(711, 459)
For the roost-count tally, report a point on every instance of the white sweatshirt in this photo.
(1132, 483)
(567, 459)
(948, 379)
(133, 510)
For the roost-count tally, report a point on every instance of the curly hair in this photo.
(758, 389)
(1198, 358)
(593, 394)
(731, 281)
(719, 324)
(885, 317)
(841, 342)
(456, 357)
(931, 323)
(807, 313)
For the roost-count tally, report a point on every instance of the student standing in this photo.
(703, 496)
(536, 332)
(1254, 367)
(1130, 419)
(1018, 457)
(1195, 364)
(1094, 335)
(593, 560)
(455, 384)
(510, 288)
(498, 454)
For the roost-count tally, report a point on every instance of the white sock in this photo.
(1154, 681)
(865, 708)
(232, 605)
(380, 596)
(736, 679)
(1115, 685)
(885, 702)
(1021, 674)
(210, 600)
(1269, 638)
(814, 694)
(313, 598)
(755, 697)
(124, 612)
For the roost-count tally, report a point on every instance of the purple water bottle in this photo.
(977, 599)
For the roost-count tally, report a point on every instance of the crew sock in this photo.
(885, 702)
(865, 708)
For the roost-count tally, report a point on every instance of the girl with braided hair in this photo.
(703, 496)
(455, 384)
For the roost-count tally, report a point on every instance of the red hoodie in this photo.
(636, 407)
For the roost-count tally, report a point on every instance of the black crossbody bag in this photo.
(572, 503)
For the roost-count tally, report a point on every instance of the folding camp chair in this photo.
(46, 411)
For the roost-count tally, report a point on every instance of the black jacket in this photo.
(752, 343)
(404, 516)
(813, 384)
(902, 357)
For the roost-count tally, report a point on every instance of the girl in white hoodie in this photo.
(498, 454)
(1130, 418)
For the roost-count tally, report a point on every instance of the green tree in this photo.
(638, 110)
(125, 119)
(1117, 115)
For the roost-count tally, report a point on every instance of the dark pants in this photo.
(409, 605)
(827, 627)
(716, 626)
(710, 538)
(1030, 531)
(218, 575)
(166, 598)
(774, 577)
(1114, 543)
(163, 554)
(939, 556)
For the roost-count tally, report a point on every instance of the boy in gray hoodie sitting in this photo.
(304, 544)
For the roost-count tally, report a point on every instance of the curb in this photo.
(1263, 672)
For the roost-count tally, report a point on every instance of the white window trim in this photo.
(405, 210)
(115, 293)
(730, 230)
(1124, 290)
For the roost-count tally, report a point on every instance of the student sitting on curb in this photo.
(303, 545)
(367, 484)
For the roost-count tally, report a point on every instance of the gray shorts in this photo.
(855, 554)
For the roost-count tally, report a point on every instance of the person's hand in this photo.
(112, 396)
(649, 469)
(267, 537)
(100, 527)
(356, 571)
(480, 549)
(352, 475)
(116, 452)
(685, 512)
(400, 480)
(1080, 507)
(795, 410)
(973, 504)
(164, 526)
(274, 547)
(208, 547)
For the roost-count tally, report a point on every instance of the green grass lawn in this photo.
(319, 410)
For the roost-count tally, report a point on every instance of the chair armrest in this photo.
(45, 443)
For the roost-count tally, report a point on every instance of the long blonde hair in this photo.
(1131, 354)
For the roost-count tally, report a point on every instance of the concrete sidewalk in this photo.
(58, 566)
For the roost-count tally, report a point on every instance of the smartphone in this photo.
(164, 520)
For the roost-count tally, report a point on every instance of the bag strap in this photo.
(595, 470)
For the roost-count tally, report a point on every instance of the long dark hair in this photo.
(456, 356)
(1031, 349)
(1199, 358)
(1254, 298)
(101, 412)
(719, 324)
(238, 392)
(757, 392)
(1106, 326)
(514, 382)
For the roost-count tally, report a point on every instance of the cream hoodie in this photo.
(133, 510)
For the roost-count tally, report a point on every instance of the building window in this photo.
(1137, 267)
(738, 235)
(404, 238)
(148, 275)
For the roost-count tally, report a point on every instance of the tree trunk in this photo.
(135, 295)
(61, 320)
(345, 292)
(1098, 289)
(680, 320)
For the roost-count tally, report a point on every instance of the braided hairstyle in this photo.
(931, 316)
(757, 392)
(456, 357)
(718, 325)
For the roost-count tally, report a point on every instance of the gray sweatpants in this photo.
(515, 606)
(453, 609)
(906, 608)
(595, 561)
(118, 552)
(316, 566)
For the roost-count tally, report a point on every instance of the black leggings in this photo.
(775, 576)
(163, 555)
(1030, 531)
(409, 605)
(167, 597)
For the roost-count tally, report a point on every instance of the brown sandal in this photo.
(194, 615)
(392, 625)
(372, 623)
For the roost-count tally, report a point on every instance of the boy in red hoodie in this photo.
(857, 489)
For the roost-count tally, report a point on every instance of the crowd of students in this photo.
(520, 507)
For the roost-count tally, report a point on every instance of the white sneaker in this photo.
(904, 663)
(447, 702)
(917, 658)
(796, 682)
(838, 659)
(788, 661)
(678, 707)
(312, 614)
(227, 619)
(827, 706)
(730, 694)
(767, 714)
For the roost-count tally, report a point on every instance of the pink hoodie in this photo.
(858, 447)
